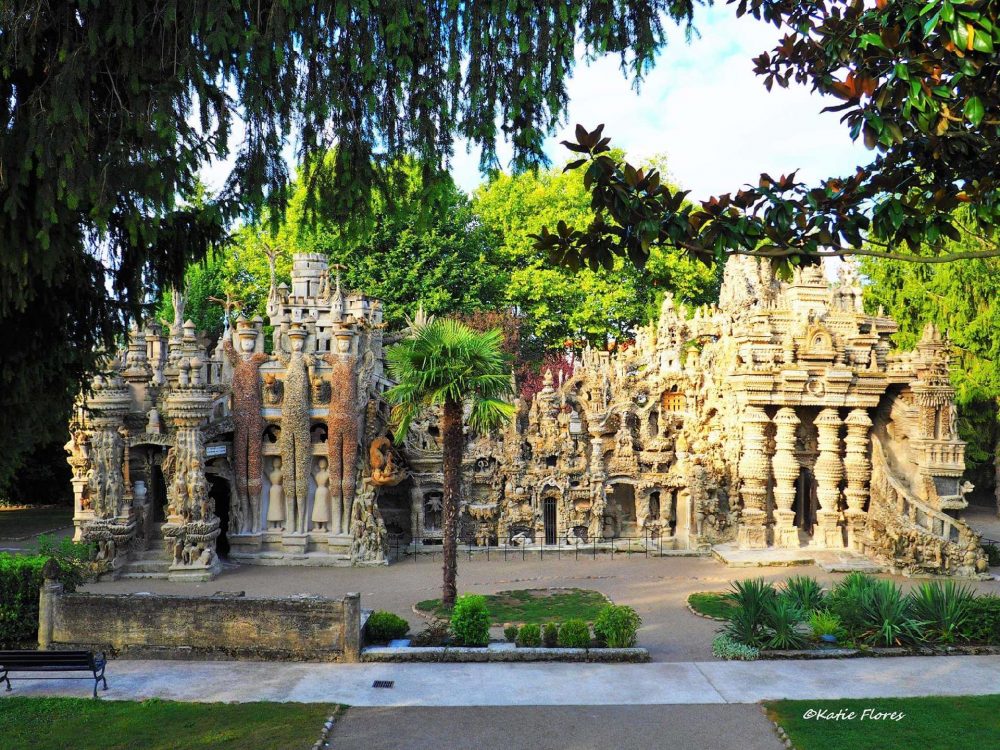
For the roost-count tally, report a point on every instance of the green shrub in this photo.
(550, 635)
(823, 622)
(887, 616)
(983, 623)
(943, 608)
(383, 627)
(804, 592)
(510, 632)
(847, 601)
(574, 634)
(617, 626)
(20, 581)
(748, 619)
(470, 621)
(529, 636)
(782, 618)
(724, 647)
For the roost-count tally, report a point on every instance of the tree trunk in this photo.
(452, 439)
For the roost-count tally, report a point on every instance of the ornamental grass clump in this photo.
(943, 609)
(617, 626)
(470, 621)
(550, 635)
(847, 601)
(782, 619)
(574, 634)
(825, 623)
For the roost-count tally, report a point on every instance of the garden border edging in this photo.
(471, 654)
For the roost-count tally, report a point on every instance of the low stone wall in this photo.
(519, 654)
(222, 626)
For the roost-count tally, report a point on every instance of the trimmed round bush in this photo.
(510, 632)
(574, 634)
(529, 636)
(617, 626)
(383, 627)
(550, 635)
(470, 621)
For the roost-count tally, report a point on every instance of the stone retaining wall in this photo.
(221, 626)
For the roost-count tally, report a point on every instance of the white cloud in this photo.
(705, 109)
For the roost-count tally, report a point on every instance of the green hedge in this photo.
(21, 579)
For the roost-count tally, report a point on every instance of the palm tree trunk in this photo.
(452, 439)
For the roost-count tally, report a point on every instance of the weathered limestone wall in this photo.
(203, 627)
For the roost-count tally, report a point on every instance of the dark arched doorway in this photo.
(219, 492)
(549, 519)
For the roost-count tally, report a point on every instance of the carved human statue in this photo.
(321, 500)
(294, 441)
(276, 496)
(249, 424)
(342, 428)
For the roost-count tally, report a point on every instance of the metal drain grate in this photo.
(383, 683)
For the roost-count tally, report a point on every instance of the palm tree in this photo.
(444, 363)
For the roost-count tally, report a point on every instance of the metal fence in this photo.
(401, 547)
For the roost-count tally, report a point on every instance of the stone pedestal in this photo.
(295, 545)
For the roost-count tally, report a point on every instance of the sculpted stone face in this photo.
(343, 345)
(298, 343)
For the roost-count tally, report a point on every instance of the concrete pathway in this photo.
(660, 683)
(736, 727)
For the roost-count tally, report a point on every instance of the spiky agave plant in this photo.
(943, 607)
(445, 364)
(804, 592)
(748, 620)
(888, 618)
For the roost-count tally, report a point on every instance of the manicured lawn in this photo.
(952, 723)
(711, 604)
(26, 522)
(87, 724)
(534, 605)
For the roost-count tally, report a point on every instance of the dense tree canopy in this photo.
(111, 108)
(916, 79)
(593, 306)
(963, 299)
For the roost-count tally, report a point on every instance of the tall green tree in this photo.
(445, 364)
(110, 109)
(963, 299)
(591, 306)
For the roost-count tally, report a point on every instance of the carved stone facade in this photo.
(780, 418)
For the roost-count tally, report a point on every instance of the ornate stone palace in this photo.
(780, 418)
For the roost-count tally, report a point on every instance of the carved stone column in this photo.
(829, 473)
(858, 467)
(786, 470)
(755, 469)
(111, 523)
(192, 527)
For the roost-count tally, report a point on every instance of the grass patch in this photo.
(86, 724)
(711, 604)
(21, 523)
(938, 723)
(538, 606)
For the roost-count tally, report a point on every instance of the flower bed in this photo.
(861, 616)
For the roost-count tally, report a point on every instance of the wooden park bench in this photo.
(53, 661)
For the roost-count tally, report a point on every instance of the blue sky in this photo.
(703, 108)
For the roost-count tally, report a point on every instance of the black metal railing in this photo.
(403, 546)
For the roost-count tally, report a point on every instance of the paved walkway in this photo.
(661, 683)
(735, 727)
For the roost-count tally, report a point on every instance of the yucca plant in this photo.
(887, 616)
(846, 600)
(943, 607)
(445, 364)
(804, 592)
(748, 621)
(783, 618)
